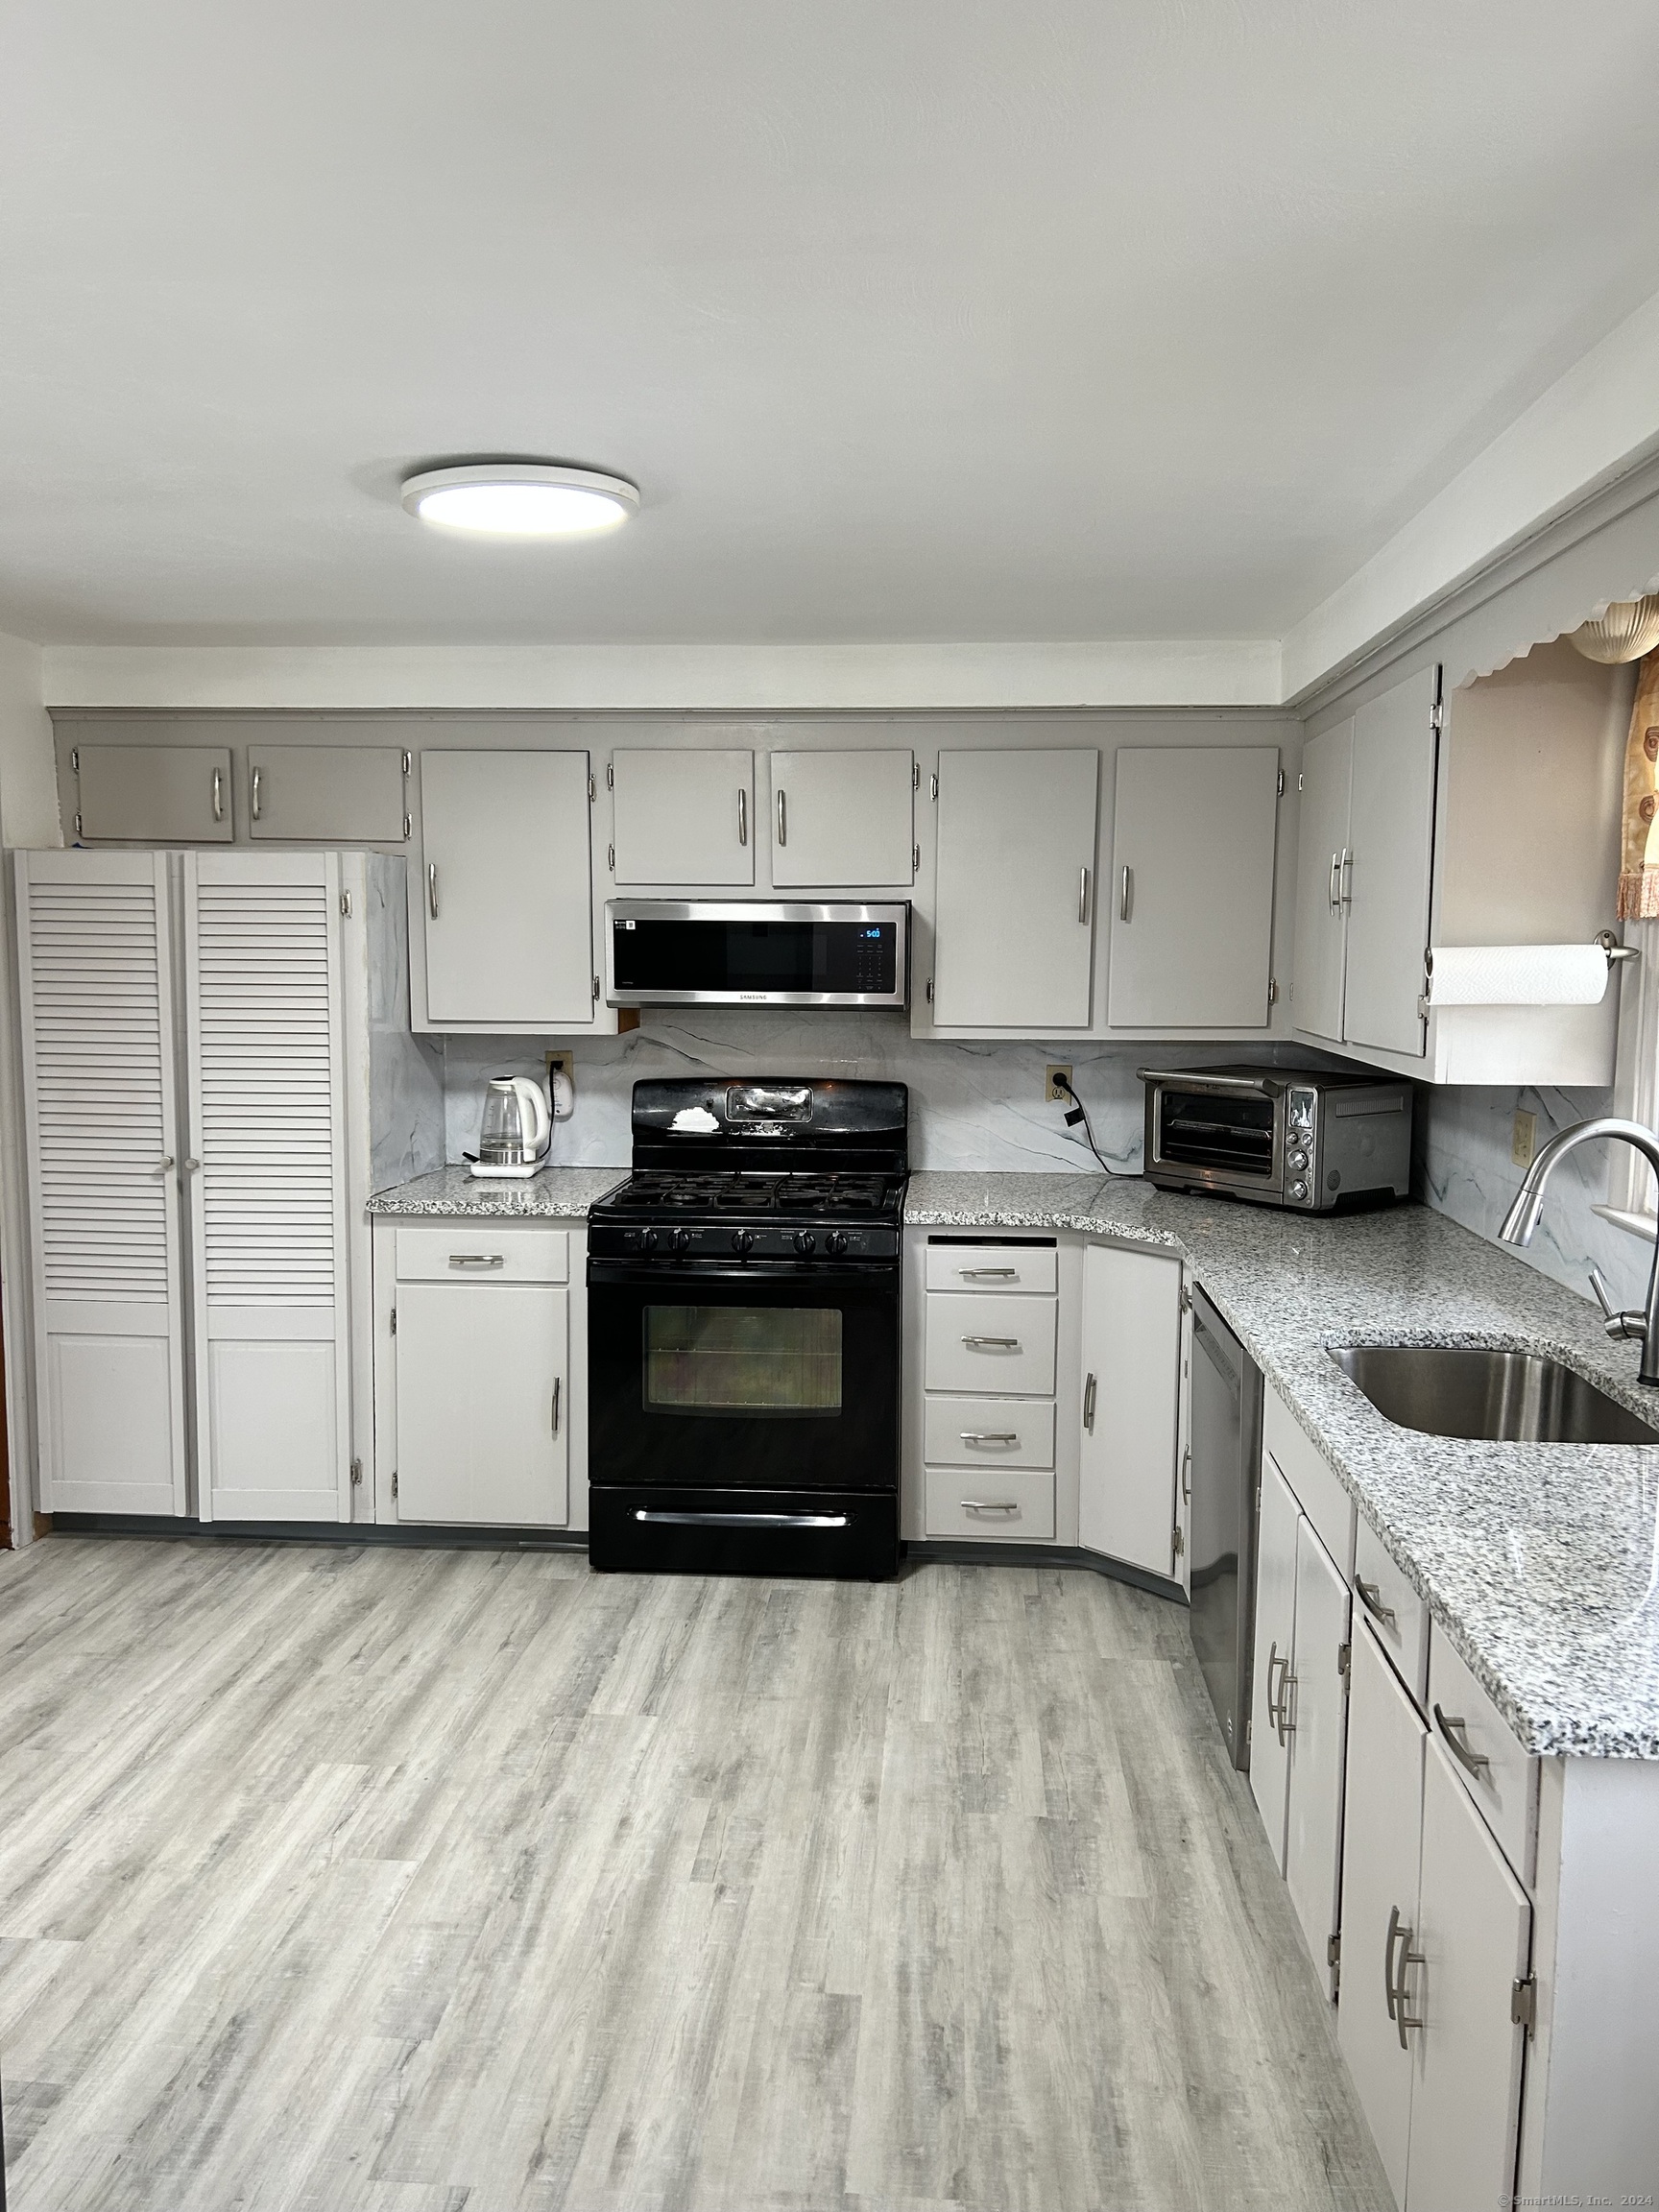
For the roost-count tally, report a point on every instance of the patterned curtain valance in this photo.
(1639, 862)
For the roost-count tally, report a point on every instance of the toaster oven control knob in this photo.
(649, 1240)
(1295, 1159)
(804, 1240)
(742, 1239)
(835, 1243)
(1298, 1190)
(679, 1240)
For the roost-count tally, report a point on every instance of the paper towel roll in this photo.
(1518, 975)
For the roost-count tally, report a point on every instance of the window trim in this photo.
(1631, 1203)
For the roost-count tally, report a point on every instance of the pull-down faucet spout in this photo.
(1522, 1220)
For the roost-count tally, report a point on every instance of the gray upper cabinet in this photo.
(153, 794)
(1194, 833)
(328, 794)
(1014, 898)
(501, 904)
(1323, 868)
(1391, 834)
(843, 818)
(685, 818)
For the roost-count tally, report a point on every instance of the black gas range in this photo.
(743, 1320)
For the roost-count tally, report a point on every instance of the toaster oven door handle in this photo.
(1245, 1086)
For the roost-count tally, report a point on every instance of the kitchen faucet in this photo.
(1522, 1220)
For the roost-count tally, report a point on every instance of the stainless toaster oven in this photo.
(1313, 1139)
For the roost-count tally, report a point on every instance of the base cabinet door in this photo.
(1318, 1709)
(1131, 1406)
(1275, 1642)
(1384, 1821)
(1474, 1935)
(483, 1404)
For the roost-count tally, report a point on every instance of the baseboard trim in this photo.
(426, 1538)
(959, 1553)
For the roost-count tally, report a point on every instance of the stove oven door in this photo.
(743, 1378)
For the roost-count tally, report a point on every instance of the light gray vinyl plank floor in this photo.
(373, 1880)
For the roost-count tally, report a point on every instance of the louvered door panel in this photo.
(262, 969)
(95, 962)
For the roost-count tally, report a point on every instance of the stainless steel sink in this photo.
(1477, 1392)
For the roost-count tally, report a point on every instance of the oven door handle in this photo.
(844, 1279)
(661, 1518)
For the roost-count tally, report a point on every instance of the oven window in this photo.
(743, 1360)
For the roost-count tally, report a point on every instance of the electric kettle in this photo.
(514, 1138)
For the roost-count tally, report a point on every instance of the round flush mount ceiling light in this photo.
(520, 500)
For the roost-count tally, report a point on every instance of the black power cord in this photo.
(1078, 1112)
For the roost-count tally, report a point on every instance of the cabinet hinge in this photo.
(1272, 990)
(929, 979)
(1344, 1659)
(915, 775)
(1438, 717)
(1180, 1541)
(610, 775)
(393, 1481)
(1281, 782)
(915, 859)
(408, 763)
(346, 903)
(596, 990)
(394, 1320)
(934, 780)
(1524, 2004)
(1186, 1299)
(611, 858)
(408, 827)
(75, 758)
(1333, 1960)
(356, 1474)
(77, 822)
(592, 790)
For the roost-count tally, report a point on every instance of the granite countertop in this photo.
(556, 1194)
(1537, 1560)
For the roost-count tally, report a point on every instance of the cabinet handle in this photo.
(1186, 1474)
(191, 1167)
(164, 1164)
(990, 1435)
(432, 887)
(217, 795)
(1394, 1981)
(992, 1343)
(1004, 1505)
(1371, 1597)
(1083, 895)
(1471, 1761)
(1333, 894)
(1272, 1701)
(742, 817)
(1279, 1707)
(1123, 895)
(782, 822)
(989, 1274)
(259, 778)
(1088, 1404)
(558, 1387)
(477, 1260)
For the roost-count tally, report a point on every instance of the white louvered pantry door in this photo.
(95, 960)
(267, 1198)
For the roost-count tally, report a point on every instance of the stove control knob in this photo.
(679, 1240)
(742, 1239)
(804, 1240)
(649, 1240)
(835, 1243)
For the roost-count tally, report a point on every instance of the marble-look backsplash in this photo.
(1464, 1170)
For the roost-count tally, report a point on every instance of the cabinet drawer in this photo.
(1317, 1490)
(483, 1250)
(991, 1267)
(987, 1432)
(1010, 1506)
(1505, 1788)
(1399, 1618)
(980, 1343)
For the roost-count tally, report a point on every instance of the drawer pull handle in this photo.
(1004, 1505)
(992, 1343)
(990, 1435)
(1473, 1761)
(1371, 1597)
(477, 1260)
(989, 1274)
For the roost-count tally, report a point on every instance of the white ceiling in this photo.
(913, 319)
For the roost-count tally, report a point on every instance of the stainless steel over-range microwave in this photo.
(752, 952)
(1301, 1137)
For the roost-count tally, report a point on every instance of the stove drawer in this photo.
(987, 1432)
(982, 1344)
(1007, 1506)
(483, 1250)
(982, 1267)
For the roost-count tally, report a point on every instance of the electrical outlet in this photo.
(1524, 1138)
(560, 1084)
(560, 1064)
(1050, 1089)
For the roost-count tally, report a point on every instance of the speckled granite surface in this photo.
(557, 1193)
(1537, 1560)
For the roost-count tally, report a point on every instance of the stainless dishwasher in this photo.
(1226, 1450)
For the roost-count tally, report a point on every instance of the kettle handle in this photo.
(534, 1099)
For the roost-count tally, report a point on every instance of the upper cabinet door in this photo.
(1322, 860)
(842, 819)
(1194, 833)
(503, 893)
(1131, 1406)
(153, 794)
(1392, 836)
(1014, 904)
(683, 818)
(329, 794)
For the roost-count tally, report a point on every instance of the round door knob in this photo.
(742, 1239)
(804, 1240)
(835, 1243)
(679, 1240)
(649, 1240)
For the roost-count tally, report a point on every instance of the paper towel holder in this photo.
(1604, 940)
(1613, 951)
